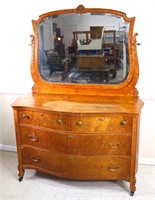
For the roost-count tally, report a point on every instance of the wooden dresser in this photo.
(78, 138)
(80, 131)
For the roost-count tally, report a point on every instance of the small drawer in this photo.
(102, 123)
(48, 120)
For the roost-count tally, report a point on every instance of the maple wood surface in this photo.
(80, 103)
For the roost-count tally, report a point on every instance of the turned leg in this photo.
(132, 186)
(21, 172)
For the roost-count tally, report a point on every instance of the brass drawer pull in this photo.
(71, 158)
(25, 116)
(59, 121)
(79, 123)
(33, 138)
(70, 137)
(123, 123)
(113, 169)
(37, 159)
(114, 146)
(101, 119)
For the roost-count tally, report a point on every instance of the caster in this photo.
(20, 179)
(131, 193)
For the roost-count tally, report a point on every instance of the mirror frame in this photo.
(125, 88)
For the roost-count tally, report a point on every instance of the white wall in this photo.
(15, 52)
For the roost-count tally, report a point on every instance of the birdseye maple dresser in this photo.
(81, 123)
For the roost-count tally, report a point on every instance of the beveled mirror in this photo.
(84, 48)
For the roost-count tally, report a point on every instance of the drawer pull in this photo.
(101, 119)
(33, 138)
(79, 123)
(112, 169)
(123, 123)
(37, 159)
(25, 116)
(114, 146)
(70, 137)
(59, 121)
(71, 158)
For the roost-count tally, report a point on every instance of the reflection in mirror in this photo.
(84, 48)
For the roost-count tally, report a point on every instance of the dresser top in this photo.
(80, 103)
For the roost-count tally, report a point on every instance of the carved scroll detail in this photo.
(80, 9)
(134, 40)
(134, 92)
(32, 39)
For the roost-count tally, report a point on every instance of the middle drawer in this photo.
(80, 144)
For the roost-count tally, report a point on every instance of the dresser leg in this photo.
(132, 186)
(21, 172)
(20, 178)
(131, 193)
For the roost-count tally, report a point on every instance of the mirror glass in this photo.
(87, 48)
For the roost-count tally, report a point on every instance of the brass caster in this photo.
(131, 193)
(20, 179)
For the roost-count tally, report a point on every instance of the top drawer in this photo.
(48, 120)
(102, 123)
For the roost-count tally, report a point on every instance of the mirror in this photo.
(84, 47)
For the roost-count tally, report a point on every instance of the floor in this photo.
(39, 186)
(57, 77)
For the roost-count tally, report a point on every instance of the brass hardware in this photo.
(79, 123)
(123, 123)
(101, 119)
(59, 121)
(25, 116)
(37, 159)
(113, 169)
(33, 138)
(70, 137)
(71, 158)
(114, 146)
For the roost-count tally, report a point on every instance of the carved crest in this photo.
(80, 9)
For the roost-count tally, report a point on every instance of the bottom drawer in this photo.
(78, 167)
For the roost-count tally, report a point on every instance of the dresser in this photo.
(80, 131)
(90, 140)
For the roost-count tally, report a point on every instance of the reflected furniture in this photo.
(84, 128)
(89, 61)
(109, 49)
(90, 54)
(53, 61)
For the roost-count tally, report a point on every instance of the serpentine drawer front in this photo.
(79, 167)
(76, 144)
(79, 123)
